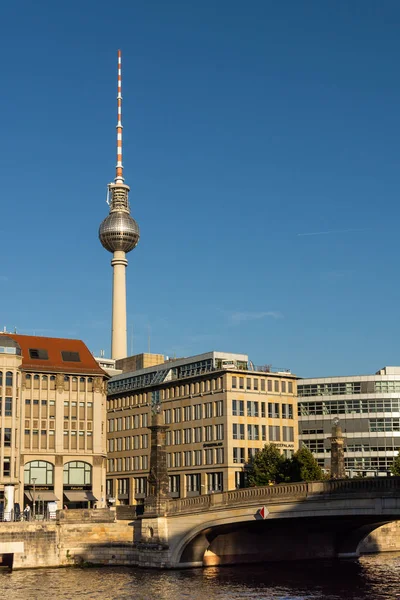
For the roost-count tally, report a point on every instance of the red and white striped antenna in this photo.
(119, 176)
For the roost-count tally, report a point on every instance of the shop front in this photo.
(77, 490)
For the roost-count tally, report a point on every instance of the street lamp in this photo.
(33, 479)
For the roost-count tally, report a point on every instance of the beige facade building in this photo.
(52, 423)
(220, 411)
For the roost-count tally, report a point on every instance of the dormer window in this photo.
(38, 354)
(68, 356)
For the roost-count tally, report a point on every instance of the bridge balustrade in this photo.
(283, 491)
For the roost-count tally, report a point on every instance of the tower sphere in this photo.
(119, 231)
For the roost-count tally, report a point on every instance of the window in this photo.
(219, 456)
(187, 436)
(77, 473)
(263, 385)
(145, 440)
(248, 383)
(197, 456)
(38, 353)
(209, 455)
(214, 482)
(234, 382)
(193, 482)
(187, 458)
(197, 434)
(168, 438)
(140, 485)
(219, 432)
(263, 409)
(208, 436)
(187, 413)
(276, 385)
(238, 431)
(241, 383)
(287, 411)
(219, 408)
(174, 484)
(68, 356)
(39, 470)
(274, 433)
(167, 416)
(197, 412)
(8, 407)
(288, 434)
(273, 410)
(177, 459)
(255, 384)
(238, 408)
(177, 415)
(252, 432)
(177, 437)
(283, 387)
(9, 379)
(238, 455)
(290, 387)
(269, 385)
(208, 410)
(7, 437)
(263, 433)
(252, 409)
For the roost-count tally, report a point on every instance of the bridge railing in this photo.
(285, 491)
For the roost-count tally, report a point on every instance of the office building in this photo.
(52, 422)
(220, 410)
(368, 409)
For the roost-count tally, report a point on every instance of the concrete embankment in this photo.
(97, 537)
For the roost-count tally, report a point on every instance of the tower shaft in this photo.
(118, 327)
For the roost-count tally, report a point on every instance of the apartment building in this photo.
(220, 410)
(368, 408)
(52, 422)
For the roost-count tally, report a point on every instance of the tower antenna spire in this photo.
(119, 169)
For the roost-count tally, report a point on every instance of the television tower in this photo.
(119, 234)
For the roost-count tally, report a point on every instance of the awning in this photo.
(45, 495)
(79, 496)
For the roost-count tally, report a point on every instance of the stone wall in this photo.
(57, 544)
(383, 539)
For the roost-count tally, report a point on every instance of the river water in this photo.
(372, 577)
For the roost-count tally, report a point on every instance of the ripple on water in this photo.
(373, 577)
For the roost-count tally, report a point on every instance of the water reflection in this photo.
(371, 578)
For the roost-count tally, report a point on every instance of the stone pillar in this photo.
(151, 528)
(337, 452)
(156, 501)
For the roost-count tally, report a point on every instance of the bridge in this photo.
(281, 522)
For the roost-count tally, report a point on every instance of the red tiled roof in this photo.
(54, 347)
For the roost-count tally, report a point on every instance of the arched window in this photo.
(77, 473)
(9, 378)
(74, 382)
(39, 470)
(52, 382)
(89, 384)
(81, 384)
(45, 382)
(36, 382)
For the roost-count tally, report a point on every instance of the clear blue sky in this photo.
(261, 144)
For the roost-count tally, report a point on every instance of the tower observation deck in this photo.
(119, 234)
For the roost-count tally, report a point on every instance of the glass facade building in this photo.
(368, 407)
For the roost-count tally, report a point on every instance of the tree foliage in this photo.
(270, 466)
(395, 468)
(267, 466)
(304, 466)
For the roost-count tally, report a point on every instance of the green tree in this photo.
(267, 466)
(304, 467)
(395, 468)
